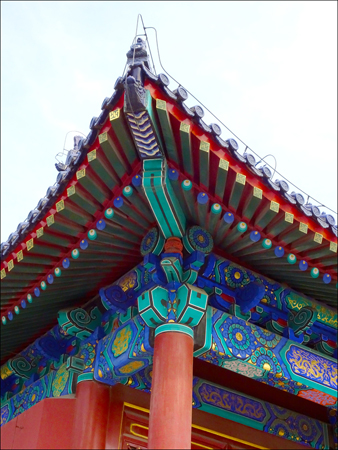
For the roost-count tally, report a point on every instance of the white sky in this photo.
(268, 70)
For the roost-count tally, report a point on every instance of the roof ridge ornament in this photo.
(138, 54)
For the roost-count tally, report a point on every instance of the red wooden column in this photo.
(171, 390)
(91, 415)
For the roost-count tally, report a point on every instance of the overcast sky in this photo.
(268, 70)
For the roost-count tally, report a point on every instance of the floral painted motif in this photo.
(266, 360)
(60, 380)
(238, 337)
(318, 397)
(121, 341)
(236, 277)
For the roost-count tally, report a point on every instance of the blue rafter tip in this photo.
(118, 202)
(137, 180)
(84, 244)
(255, 236)
(101, 224)
(202, 198)
(303, 265)
(228, 217)
(65, 263)
(172, 174)
(279, 252)
(327, 278)
(36, 292)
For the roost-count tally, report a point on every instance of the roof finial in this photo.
(138, 53)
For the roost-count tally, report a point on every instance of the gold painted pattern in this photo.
(114, 114)
(274, 206)
(103, 137)
(223, 164)
(225, 400)
(131, 367)
(303, 227)
(19, 256)
(60, 380)
(313, 367)
(92, 155)
(3, 273)
(204, 146)
(258, 193)
(324, 314)
(318, 238)
(71, 190)
(60, 205)
(121, 341)
(240, 178)
(289, 217)
(10, 265)
(80, 173)
(128, 281)
(333, 247)
(30, 244)
(5, 371)
(50, 220)
(184, 127)
(39, 232)
(161, 104)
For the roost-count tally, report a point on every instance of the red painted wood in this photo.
(171, 393)
(47, 425)
(91, 415)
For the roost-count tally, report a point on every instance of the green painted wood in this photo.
(44, 250)
(118, 231)
(168, 135)
(215, 215)
(97, 192)
(162, 199)
(222, 231)
(279, 224)
(70, 229)
(189, 198)
(102, 169)
(254, 249)
(221, 178)
(73, 213)
(113, 155)
(232, 236)
(186, 149)
(120, 128)
(142, 205)
(55, 239)
(251, 203)
(81, 198)
(204, 154)
(134, 214)
(244, 242)
(267, 214)
(236, 191)
(125, 222)
(299, 230)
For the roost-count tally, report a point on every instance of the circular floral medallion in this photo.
(266, 360)
(235, 277)
(152, 242)
(238, 338)
(196, 238)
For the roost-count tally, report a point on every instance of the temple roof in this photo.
(90, 223)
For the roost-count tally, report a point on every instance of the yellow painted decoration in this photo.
(39, 232)
(240, 178)
(266, 366)
(132, 366)
(324, 314)
(333, 247)
(128, 281)
(30, 244)
(289, 217)
(258, 193)
(204, 146)
(318, 238)
(274, 206)
(3, 273)
(239, 336)
(91, 155)
(237, 275)
(19, 256)
(10, 265)
(121, 341)
(5, 372)
(223, 164)
(303, 227)
(161, 104)
(60, 205)
(80, 173)
(184, 127)
(71, 190)
(50, 220)
(114, 114)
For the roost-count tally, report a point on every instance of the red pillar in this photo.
(91, 415)
(171, 392)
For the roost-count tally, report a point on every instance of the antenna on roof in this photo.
(65, 157)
